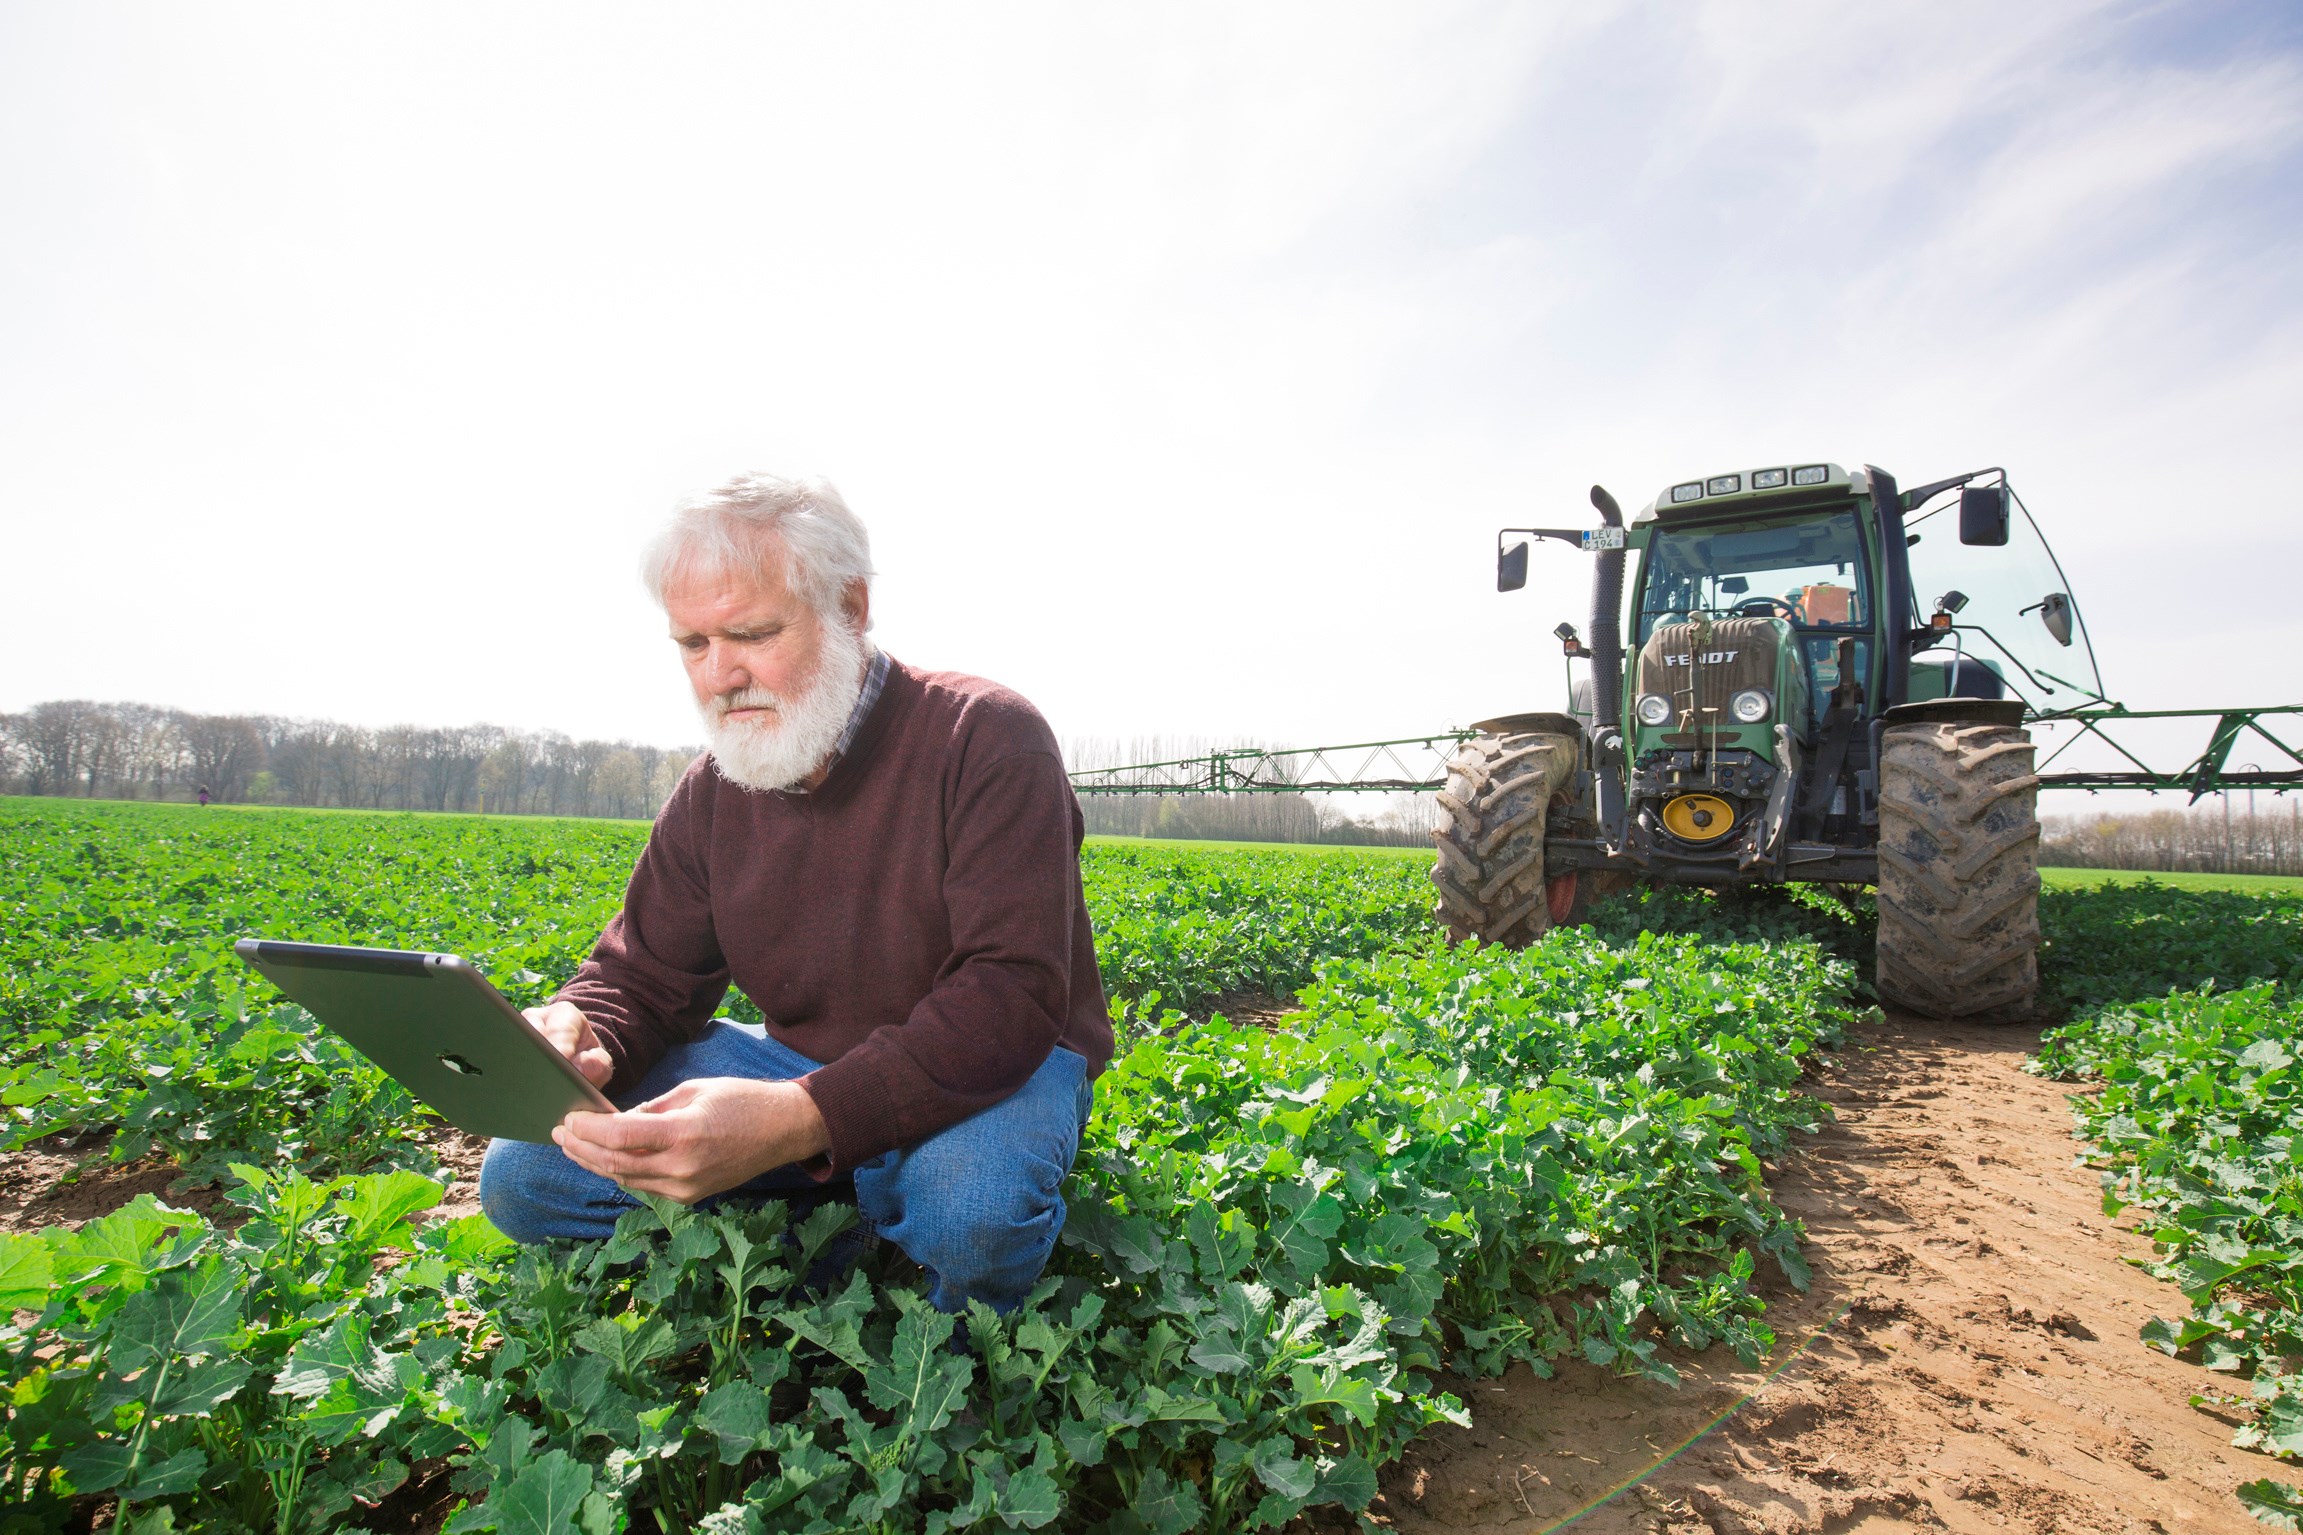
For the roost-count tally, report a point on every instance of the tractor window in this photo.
(1810, 570)
(2002, 598)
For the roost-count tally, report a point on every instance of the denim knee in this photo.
(983, 1231)
(533, 1193)
(506, 1189)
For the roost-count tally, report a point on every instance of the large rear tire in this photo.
(1958, 872)
(1490, 873)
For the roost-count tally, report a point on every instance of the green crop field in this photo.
(1282, 1243)
(2260, 884)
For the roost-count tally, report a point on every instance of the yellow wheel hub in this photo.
(1698, 817)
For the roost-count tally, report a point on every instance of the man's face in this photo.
(774, 679)
(745, 634)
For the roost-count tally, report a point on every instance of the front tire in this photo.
(1958, 872)
(1490, 874)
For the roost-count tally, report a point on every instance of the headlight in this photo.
(1751, 706)
(1653, 709)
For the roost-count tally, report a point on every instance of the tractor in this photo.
(1823, 678)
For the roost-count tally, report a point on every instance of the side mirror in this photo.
(1511, 568)
(2055, 613)
(1735, 586)
(1985, 514)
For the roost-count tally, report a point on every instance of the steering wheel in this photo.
(1765, 607)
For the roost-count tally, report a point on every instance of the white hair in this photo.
(730, 532)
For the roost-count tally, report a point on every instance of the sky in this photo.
(1183, 360)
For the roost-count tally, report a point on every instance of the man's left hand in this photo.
(703, 1137)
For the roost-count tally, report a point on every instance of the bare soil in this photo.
(1974, 1364)
(63, 1181)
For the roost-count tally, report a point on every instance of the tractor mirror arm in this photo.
(1511, 562)
(1582, 538)
(1915, 498)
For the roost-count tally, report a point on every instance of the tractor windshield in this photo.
(2012, 609)
(1810, 570)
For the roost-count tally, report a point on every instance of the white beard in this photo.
(781, 752)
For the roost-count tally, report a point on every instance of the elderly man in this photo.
(887, 862)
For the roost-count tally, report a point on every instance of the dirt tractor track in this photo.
(1974, 1364)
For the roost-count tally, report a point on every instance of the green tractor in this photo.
(1825, 679)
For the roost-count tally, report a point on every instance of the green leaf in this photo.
(27, 1273)
(377, 1205)
(919, 1378)
(1167, 1506)
(628, 1341)
(1282, 1472)
(1030, 1501)
(1330, 1388)
(131, 1246)
(1135, 1243)
(737, 1415)
(104, 1467)
(468, 1240)
(832, 1325)
(1349, 1481)
(545, 1497)
(184, 1316)
(2277, 1504)
(1219, 1353)
(1302, 1222)
(2266, 1055)
(1085, 1443)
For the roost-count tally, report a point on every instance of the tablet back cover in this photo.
(437, 1027)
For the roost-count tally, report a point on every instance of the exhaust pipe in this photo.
(1607, 623)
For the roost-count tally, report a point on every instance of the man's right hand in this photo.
(564, 1024)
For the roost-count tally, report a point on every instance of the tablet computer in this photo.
(435, 1026)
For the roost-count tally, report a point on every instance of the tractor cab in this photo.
(1777, 620)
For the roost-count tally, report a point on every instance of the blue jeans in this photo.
(978, 1205)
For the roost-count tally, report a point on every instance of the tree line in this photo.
(140, 751)
(2226, 834)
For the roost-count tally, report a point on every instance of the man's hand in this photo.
(564, 1024)
(703, 1137)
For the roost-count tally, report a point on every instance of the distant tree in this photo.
(621, 785)
(670, 768)
(224, 752)
(56, 741)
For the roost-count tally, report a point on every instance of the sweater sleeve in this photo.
(656, 975)
(999, 1003)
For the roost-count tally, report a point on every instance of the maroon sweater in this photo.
(916, 922)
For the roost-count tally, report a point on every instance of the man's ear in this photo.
(856, 605)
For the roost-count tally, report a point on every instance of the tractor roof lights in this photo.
(1811, 474)
(1691, 491)
(1769, 479)
(1723, 485)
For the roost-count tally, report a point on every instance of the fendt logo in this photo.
(1710, 658)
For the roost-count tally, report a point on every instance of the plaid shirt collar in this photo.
(875, 678)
